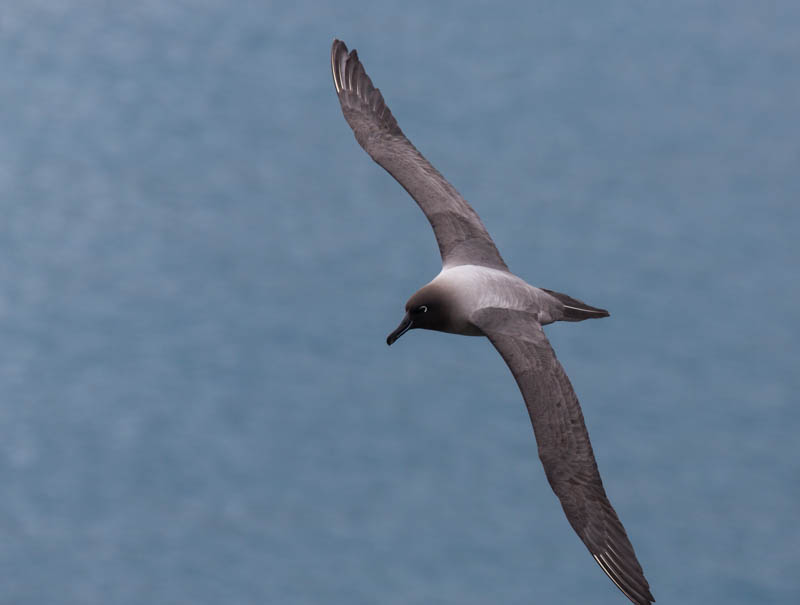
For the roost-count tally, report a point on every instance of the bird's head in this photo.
(427, 309)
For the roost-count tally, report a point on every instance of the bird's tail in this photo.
(577, 310)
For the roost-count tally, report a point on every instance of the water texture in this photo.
(199, 266)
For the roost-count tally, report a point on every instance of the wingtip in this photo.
(345, 66)
(338, 49)
(636, 593)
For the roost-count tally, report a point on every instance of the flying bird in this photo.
(475, 294)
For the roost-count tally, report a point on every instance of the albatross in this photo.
(475, 294)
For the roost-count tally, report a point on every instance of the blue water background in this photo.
(199, 266)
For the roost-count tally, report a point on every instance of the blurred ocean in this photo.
(199, 267)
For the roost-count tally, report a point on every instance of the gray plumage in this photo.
(460, 233)
(476, 294)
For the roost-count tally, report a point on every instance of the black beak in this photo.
(404, 327)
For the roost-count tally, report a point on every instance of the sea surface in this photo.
(199, 267)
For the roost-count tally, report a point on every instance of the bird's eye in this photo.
(422, 309)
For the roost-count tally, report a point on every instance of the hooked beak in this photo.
(404, 327)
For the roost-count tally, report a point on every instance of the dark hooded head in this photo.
(427, 309)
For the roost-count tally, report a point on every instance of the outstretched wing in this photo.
(564, 446)
(462, 238)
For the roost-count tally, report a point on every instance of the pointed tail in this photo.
(577, 310)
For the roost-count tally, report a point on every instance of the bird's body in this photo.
(471, 288)
(476, 295)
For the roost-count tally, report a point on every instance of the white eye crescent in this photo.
(423, 308)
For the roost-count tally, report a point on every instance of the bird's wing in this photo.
(564, 446)
(462, 238)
